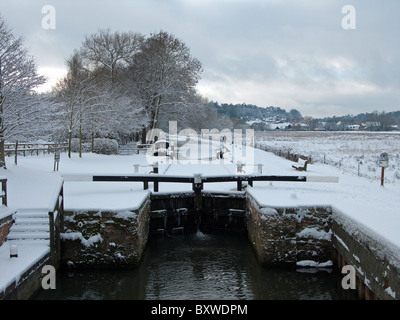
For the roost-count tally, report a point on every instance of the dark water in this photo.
(200, 266)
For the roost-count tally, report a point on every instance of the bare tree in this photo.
(310, 122)
(107, 56)
(18, 78)
(164, 73)
(110, 51)
(118, 81)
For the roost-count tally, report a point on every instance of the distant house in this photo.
(353, 127)
(372, 125)
(395, 127)
(251, 122)
(280, 125)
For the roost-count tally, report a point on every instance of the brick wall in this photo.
(6, 222)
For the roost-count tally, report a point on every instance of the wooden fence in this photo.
(24, 149)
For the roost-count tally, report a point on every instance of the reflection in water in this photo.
(197, 267)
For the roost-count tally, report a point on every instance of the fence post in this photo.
(155, 170)
(16, 152)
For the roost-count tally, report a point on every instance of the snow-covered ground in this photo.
(32, 182)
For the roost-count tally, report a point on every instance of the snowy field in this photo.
(352, 152)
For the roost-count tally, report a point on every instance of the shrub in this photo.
(101, 146)
(86, 147)
(105, 146)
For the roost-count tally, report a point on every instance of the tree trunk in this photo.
(154, 119)
(2, 154)
(144, 131)
(71, 117)
(80, 137)
(69, 144)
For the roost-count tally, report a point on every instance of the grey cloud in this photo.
(266, 52)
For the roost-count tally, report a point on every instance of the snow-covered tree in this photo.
(109, 52)
(18, 78)
(90, 107)
(110, 112)
(69, 95)
(164, 73)
(191, 114)
(118, 82)
(107, 56)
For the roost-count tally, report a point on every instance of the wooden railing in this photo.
(3, 193)
(56, 222)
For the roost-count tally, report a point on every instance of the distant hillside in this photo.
(273, 118)
(249, 112)
(377, 121)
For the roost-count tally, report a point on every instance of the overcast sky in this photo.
(283, 53)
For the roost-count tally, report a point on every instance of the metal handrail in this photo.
(196, 180)
(56, 223)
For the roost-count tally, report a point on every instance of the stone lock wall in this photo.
(299, 235)
(376, 261)
(105, 239)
